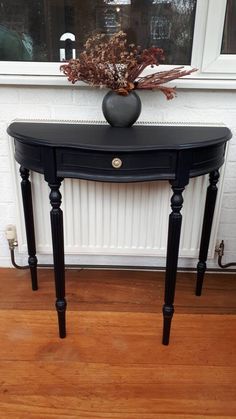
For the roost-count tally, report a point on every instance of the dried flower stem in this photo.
(110, 62)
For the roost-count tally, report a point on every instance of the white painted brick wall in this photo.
(85, 103)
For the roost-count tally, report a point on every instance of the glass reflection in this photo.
(53, 30)
(229, 35)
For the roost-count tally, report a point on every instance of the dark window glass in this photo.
(53, 30)
(229, 35)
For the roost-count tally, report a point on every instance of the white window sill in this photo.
(187, 83)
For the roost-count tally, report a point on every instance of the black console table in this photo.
(103, 153)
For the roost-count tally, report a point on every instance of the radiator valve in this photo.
(11, 236)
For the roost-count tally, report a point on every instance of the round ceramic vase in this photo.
(121, 111)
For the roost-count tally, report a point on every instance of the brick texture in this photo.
(85, 103)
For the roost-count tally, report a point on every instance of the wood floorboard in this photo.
(118, 290)
(112, 364)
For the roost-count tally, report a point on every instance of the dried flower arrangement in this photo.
(110, 62)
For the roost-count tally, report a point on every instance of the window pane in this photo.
(53, 30)
(229, 35)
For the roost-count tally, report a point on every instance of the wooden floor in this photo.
(112, 364)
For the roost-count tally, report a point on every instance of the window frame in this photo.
(206, 57)
(206, 52)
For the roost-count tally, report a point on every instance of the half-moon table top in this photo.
(103, 153)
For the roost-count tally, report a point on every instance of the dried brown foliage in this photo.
(110, 62)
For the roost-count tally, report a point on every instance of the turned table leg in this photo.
(206, 229)
(29, 225)
(175, 220)
(58, 255)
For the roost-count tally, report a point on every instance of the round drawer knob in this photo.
(116, 163)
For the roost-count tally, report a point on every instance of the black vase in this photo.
(121, 111)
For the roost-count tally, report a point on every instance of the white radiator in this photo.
(118, 219)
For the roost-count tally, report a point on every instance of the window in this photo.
(47, 31)
(35, 30)
(40, 33)
(214, 46)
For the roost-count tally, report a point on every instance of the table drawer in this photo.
(115, 167)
